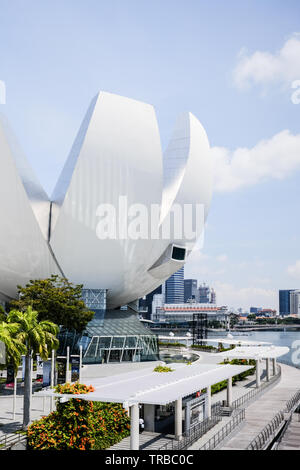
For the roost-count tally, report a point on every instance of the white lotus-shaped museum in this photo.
(117, 153)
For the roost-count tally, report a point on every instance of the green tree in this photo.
(38, 337)
(57, 300)
(251, 317)
(2, 314)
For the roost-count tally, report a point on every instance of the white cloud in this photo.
(274, 158)
(245, 297)
(222, 258)
(266, 68)
(294, 270)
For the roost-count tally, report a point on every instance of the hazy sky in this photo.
(230, 63)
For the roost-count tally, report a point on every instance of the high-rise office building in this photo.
(295, 302)
(174, 288)
(146, 303)
(190, 290)
(284, 302)
(204, 294)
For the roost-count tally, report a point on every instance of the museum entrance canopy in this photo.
(157, 388)
(111, 336)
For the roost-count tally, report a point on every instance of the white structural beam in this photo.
(68, 365)
(274, 365)
(134, 427)
(149, 418)
(229, 391)
(268, 369)
(178, 419)
(208, 402)
(257, 373)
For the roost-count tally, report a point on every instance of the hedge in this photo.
(223, 384)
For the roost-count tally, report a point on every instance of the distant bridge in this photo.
(265, 327)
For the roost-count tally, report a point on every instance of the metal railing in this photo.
(293, 402)
(282, 433)
(8, 440)
(192, 435)
(255, 391)
(265, 436)
(279, 420)
(216, 408)
(214, 441)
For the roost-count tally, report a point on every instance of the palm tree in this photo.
(38, 338)
(14, 348)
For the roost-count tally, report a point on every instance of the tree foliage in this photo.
(2, 314)
(57, 300)
(38, 337)
(14, 347)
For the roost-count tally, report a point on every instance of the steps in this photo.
(226, 411)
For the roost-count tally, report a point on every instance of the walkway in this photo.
(260, 412)
(7, 424)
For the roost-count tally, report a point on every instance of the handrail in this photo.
(282, 433)
(264, 436)
(214, 441)
(292, 402)
(192, 435)
(267, 433)
(9, 440)
(255, 391)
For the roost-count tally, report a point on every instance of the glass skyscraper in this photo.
(174, 293)
(284, 302)
(190, 290)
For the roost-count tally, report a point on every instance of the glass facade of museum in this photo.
(112, 336)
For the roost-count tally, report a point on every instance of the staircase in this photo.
(226, 411)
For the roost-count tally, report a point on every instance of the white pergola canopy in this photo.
(157, 388)
(217, 340)
(264, 352)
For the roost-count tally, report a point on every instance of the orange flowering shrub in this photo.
(74, 389)
(79, 424)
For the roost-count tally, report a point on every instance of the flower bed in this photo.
(163, 369)
(74, 389)
(79, 424)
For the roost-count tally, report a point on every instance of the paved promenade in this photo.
(260, 412)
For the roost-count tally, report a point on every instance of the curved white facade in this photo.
(24, 251)
(116, 157)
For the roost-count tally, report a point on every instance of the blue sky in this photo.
(230, 63)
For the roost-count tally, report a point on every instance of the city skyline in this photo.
(241, 85)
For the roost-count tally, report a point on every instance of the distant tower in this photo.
(190, 290)
(204, 294)
(284, 302)
(213, 297)
(295, 302)
(147, 302)
(174, 286)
